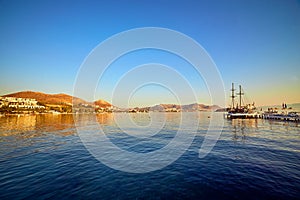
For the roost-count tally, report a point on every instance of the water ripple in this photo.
(42, 157)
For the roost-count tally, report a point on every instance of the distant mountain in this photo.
(199, 107)
(187, 108)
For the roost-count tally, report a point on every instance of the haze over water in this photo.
(42, 156)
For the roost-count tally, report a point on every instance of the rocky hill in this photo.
(101, 103)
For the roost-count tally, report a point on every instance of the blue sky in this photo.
(253, 43)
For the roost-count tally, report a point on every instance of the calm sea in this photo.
(42, 157)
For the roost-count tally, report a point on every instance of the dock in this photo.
(281, 117)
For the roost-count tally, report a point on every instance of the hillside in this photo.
(102, 103)
(43, 98)
(56, 99)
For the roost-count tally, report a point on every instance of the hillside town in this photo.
(20, 103)
(17, 105)
(29, 102)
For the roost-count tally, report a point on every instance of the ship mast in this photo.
(232, 95)
(240, 94)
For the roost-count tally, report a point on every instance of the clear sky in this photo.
(253, 43)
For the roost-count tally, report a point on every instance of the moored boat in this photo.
(285, 116)
(238, 110)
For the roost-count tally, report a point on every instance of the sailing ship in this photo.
(239, 110)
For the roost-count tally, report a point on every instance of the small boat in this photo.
(240, 111)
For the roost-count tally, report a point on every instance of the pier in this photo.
(281, 117)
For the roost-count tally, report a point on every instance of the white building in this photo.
(14, 102)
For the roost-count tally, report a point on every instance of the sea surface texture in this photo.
(43, 157)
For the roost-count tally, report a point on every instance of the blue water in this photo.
(42, 157)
